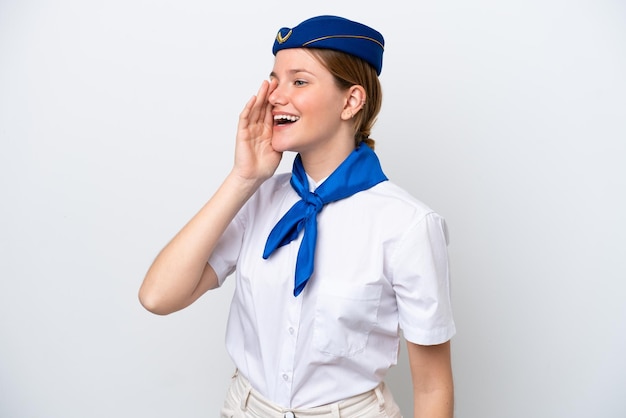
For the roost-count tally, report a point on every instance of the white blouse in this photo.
(381, 265)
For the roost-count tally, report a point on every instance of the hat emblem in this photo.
(282, 39)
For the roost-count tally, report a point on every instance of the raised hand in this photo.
(255, 159)
(180, 273)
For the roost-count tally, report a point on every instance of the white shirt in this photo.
(380, 265)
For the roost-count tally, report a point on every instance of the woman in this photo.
(324, 280)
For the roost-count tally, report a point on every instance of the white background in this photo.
(117, 123)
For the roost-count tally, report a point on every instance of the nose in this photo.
(276, 96)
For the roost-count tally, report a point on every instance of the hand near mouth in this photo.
(255, 159)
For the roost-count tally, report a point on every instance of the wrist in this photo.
(243, 184)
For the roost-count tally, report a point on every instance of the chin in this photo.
(281, 145)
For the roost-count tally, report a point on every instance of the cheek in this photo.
(327, 109)
(325, 105)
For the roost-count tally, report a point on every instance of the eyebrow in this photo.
(294, 71)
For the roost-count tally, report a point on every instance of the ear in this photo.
(355, 99)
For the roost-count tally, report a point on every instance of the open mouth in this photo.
(285, 119)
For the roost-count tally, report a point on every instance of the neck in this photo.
(320, 164)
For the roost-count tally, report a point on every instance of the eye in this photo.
(299, 83)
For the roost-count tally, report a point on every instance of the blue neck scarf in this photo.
(359, 171)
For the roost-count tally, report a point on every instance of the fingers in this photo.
(273, 83)
(261, 104)
(258, 110)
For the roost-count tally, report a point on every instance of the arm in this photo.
(180, 273)
(431, 372)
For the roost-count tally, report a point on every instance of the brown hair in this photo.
(348, 71)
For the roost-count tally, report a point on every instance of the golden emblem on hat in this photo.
(282, 39)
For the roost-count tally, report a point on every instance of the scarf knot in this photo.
(313, 202)
(359, 171)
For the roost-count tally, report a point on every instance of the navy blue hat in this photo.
(334, 32)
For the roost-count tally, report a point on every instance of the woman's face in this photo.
(307, 105)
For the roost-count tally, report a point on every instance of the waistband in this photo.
(253, 404)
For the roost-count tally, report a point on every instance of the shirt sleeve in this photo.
(226, 253)
(421, 280)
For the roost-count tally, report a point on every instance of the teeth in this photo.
(286, 117)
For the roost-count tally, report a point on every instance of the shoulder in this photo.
(273, 191)
(419, 222)
(390, 212)
(278, 183)
(390, 198)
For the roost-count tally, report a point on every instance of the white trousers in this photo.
(244, 402)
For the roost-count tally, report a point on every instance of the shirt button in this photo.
(291, 330)
(289, 414)
(285, 377)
